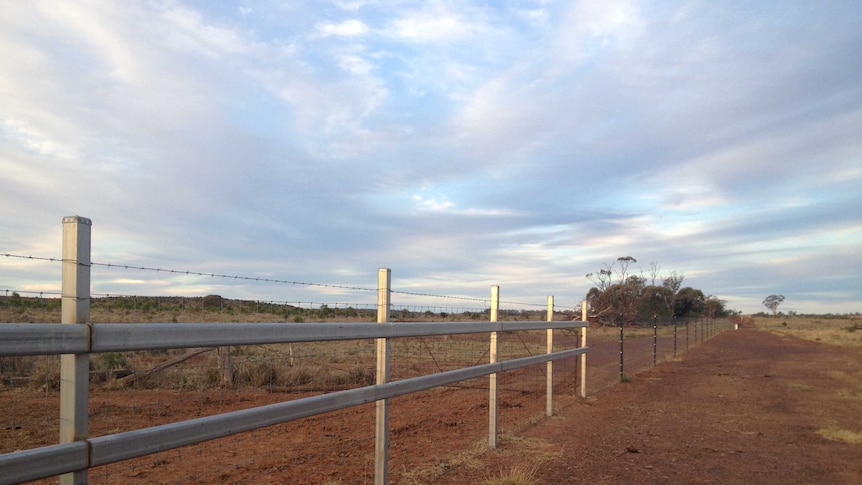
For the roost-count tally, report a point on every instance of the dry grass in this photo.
(834, 433)
(469, 458)
(516, 475)
(840, 331)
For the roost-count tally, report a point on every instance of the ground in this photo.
(747, 406)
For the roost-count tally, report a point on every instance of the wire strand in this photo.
(486, 301)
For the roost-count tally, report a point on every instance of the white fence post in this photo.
(584, 344)
(75, 309)
(549, 405)
(381, 435)
(492, 379)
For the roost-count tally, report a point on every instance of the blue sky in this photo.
(462, 144)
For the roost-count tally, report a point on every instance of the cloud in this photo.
(345, 28)
(453, 141)
(432, 26)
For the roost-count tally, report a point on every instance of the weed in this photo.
(517, 475)
(362, 376)
(257, 374)
(112, 360)
(296, 376)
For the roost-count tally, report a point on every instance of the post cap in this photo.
(78, 219)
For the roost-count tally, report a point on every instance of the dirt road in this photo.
(747, 406)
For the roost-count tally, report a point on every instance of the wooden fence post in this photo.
(549, 404)
(381, 435)
(75, 309)
(225, 366)
(492, 379)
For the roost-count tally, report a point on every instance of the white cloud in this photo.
(543, 138)
(432, 204)
(590, 28)
(355, 64)
(432, 26)
(346, 28)
(350, 5)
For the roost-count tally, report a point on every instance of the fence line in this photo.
(76, 339)
(269, 280)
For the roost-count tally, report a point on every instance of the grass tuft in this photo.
(517, 475)
(834, 433)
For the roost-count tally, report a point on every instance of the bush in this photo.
(296, 376)
(257, 373)
(362, 376)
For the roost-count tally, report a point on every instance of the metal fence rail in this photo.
(75, 340)
(53, 460)
(57, 338)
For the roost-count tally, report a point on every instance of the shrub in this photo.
(361, 375)
(257, 373)
(296, 376)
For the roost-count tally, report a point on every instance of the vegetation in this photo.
(298, 367)
(772, 302)
(835, 433)
(213, 308)
(843, 330)
(516, 475)
(621, 299)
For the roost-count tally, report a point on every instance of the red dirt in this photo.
(744, 407)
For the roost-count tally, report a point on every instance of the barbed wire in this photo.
(30, 292)
(273, 280)
(38, 258)
(233, 277)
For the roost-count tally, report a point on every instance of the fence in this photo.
(75, 340)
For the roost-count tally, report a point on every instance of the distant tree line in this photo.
(619, 297)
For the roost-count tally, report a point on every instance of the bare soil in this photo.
(747, 406)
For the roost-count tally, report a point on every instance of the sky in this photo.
(461, 144)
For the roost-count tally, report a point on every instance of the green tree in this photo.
(772, 302)
(714, 307)
(690, 302)
(656, 301)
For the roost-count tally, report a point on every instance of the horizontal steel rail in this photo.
(53, 339)
(43, 339)
(36, 463)
(53, 460)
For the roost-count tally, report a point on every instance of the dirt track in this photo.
(744, 407)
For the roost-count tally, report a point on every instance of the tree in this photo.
(654, 269)
(772, 302)
(673, 281)
(602, 278)
(631, 298)
(624, 262)
(620, 301)
(690, 302)
(714, 307)
(656, 301)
